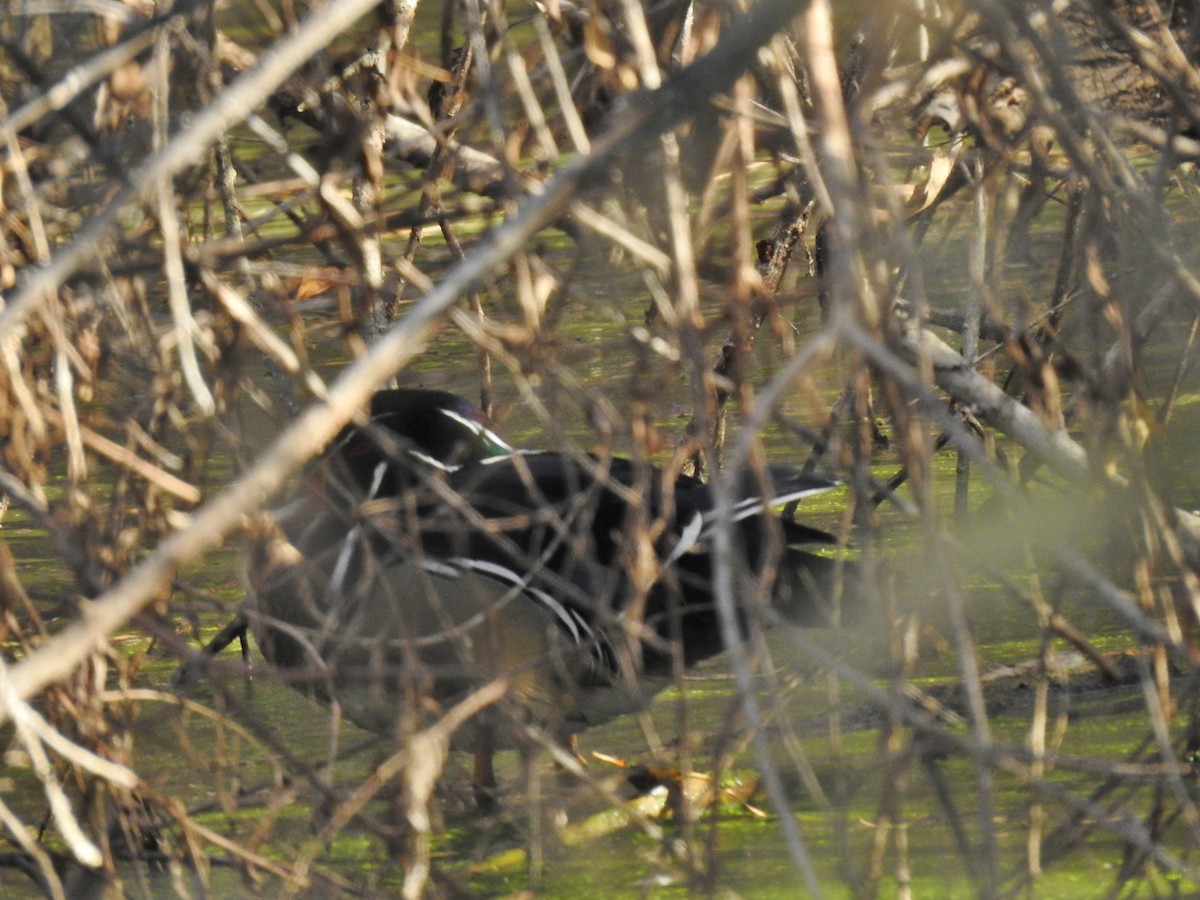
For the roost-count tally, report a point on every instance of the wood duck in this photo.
(424, 556)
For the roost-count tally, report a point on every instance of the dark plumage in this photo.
(580, 528)
(423, 557)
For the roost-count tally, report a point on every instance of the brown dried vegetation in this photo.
(221, 227)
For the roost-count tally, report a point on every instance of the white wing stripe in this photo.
(580, 630)
(687, 537)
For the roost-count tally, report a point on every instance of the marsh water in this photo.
(254, 760)
(238, 775)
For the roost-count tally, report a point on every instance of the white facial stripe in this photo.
(476, 428)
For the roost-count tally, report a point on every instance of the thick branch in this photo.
(988, 402)
(473, 170)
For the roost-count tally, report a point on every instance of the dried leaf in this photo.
(941, 164)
